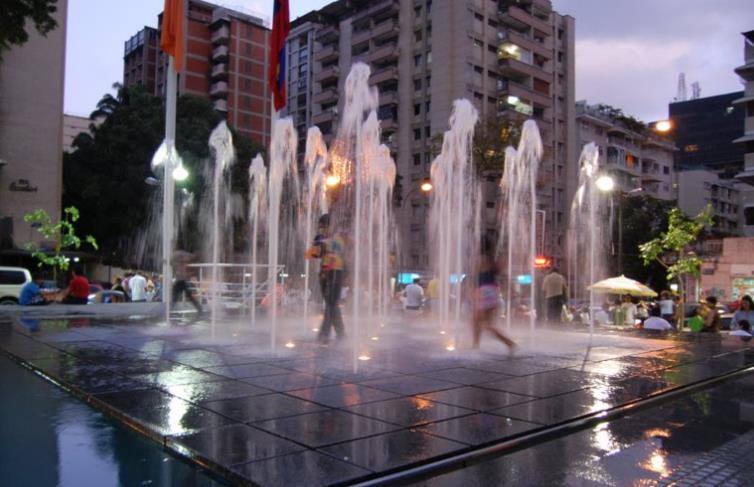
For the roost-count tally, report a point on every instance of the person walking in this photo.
(486, 302)
(181, 259)
(555, 289)
(329, 248)
(138, 285)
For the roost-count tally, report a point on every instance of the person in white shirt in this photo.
(666, 305)
(630, 309)
(138, 285)
(655, 321)
(414, 295)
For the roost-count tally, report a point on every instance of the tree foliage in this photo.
(62, 233)
(14, 16)
(630, 122)
(105, 174)
(669, 248)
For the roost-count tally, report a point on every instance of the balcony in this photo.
(385, 30)
(218, 89)
(389, 98)
(327, 34)
(526, 43)
(221, 105)
(324, 117)
(328, 95)
(515, 68)
(329, 53)
(388, 125)
(219, 71)
(379, 9)
(220, 35)
(388, 52)
(520, 20)
(361, 37)
(523, 92)
(220, 53)
(382, 75)
(328, 74)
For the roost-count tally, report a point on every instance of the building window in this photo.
(429, 81)
(691, 148)
(429, 58)
(417, 134)
(665, 170)
(417, 159)
(417, 84)
(417, 109)
(417, 61)
(418, 36)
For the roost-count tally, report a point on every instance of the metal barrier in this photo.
(236, 288)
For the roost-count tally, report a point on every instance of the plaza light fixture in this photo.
(290, 345)
(332, 180)
(180, 173)
(426, 186)
(663, 126)
(364, 357)
(605, 183)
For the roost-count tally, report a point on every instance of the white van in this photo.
(12, 279)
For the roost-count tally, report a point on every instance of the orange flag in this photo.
(171, 37)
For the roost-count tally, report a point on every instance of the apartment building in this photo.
(31, 131)
(637, 158)
(226, 60)
(746, 142)
(512, 59)
(700, 188)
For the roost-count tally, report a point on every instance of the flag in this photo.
(280, 28)
(171, 37)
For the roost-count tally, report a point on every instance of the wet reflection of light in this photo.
(450, 348)
(657, 463)
(315, 329)
(601, 393)
(364, 357)
(603, 439)
(177, 408)
(290, 345)
(657, 433)
(420, 403)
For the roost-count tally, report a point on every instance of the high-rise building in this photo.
(140, 58)
(638, 159)
(746, 143)
(226, 60)
(31, 130)
(512, 59)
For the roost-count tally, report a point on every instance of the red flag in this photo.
(171, 37)
(281, 26)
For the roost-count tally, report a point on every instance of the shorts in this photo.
(488, 296)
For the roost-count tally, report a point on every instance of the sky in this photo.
(628, 52)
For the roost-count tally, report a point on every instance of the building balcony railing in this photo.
(511, 88)
(361, 37)
(379, 9)
(525, 42)
(220, 105)
(385, 74)
(218, 89)
(323, 117)
(219, 71)
(326, 54)
(519, 19)
(327, 74)
(389, 98)
(220, 53)
(327, 34)
(386, 29)
(389, 125)
(220, 35)
(516, 68)
(387, 52)
(326, 96)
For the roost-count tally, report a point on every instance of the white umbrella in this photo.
(623, 285)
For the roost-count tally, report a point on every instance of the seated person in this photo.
(31, 294)
(78, 288)
(414, 295)
(743, 330)
(656, 321)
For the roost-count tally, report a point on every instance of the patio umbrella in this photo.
(623, 285)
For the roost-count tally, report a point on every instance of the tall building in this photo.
(636, 157)
(31, 130)
(226, 60)
(700, 188)
(73, 125)
(512, 59)
(704, 129)
(140, 58)
(746, 72)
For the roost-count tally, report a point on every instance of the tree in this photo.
(671, 248)
(14, 16)
(62, 233)
(644, 218)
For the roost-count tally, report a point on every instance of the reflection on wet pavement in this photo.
(264, 415)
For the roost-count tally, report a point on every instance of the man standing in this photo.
(555, 289)
(329, 248)
(414, 295)
(138, 285)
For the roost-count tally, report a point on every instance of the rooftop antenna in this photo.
(696, 90)
(681, 93)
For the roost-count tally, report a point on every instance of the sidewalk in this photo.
(221, 396)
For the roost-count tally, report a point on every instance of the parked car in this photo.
(12, 279)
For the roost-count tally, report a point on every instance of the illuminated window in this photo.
(691, 148)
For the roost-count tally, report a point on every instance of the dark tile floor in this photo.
(314, 413)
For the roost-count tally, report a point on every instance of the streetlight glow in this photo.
(332, 180)
(663, 126)
(180, 173)
(605, 183)
(426, 186)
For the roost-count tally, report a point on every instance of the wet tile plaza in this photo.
(222, 397)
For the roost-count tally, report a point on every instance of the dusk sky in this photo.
(628, 52)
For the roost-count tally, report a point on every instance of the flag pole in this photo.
(168, 208)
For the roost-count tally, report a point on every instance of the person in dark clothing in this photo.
(181, 259)
(329, 247)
